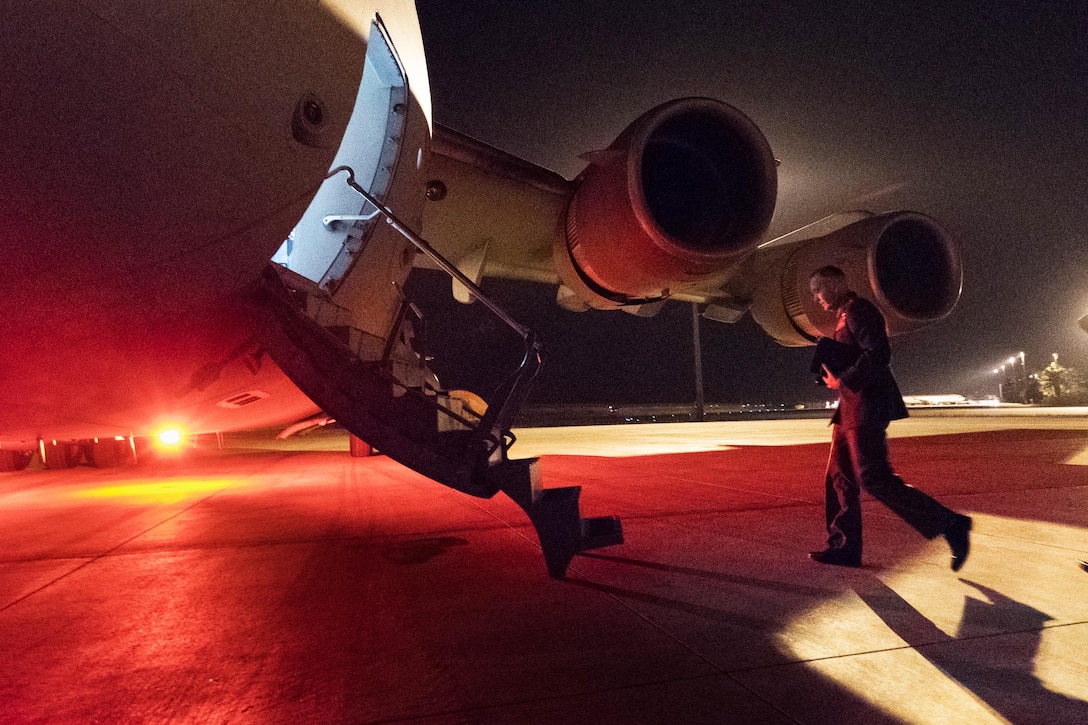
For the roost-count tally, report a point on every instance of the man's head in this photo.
(829, 287)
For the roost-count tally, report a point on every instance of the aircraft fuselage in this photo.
(155, 158)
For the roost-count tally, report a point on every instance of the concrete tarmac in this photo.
(290, 583)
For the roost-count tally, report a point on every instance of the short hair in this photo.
(829, 271)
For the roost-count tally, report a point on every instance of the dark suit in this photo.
(868, 400)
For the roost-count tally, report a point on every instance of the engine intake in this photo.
(683, 192)
(902, 261)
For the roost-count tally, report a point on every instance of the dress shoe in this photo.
(1083, 565)
(958, 535)
(837, 557)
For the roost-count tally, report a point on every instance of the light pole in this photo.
(697, 344)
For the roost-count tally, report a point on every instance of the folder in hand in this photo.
(837, 356)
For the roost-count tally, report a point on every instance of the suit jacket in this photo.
(869, 394)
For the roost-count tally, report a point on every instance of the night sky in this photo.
(975, 113)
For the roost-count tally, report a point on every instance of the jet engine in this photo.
(681, 194)
(902, 261)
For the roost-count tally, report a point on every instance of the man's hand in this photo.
(830, 380)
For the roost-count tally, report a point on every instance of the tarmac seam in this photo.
(573, 569)
(132, 538)
(558, 698)
(724, 672)
(901, 648)
(317, 538)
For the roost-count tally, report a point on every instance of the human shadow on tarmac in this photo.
(992, 655)
(822, 699)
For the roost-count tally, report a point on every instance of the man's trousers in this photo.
(859, 460)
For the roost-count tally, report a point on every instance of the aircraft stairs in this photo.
(394, 403)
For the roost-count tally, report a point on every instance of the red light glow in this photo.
(169, 439)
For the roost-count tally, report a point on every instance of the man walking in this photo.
(869, 399)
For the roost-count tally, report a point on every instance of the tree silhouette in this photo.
(1060, 385)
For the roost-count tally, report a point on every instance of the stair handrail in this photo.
(501, 421)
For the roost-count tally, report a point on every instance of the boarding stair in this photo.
(393, 402)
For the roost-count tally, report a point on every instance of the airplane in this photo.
(208, 216)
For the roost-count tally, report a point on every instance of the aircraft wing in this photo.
(490, 212)
(677, 208)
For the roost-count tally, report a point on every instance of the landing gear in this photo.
(59, 456)
(110, 453)
(360, 448)
(14, 460)
(472, 405)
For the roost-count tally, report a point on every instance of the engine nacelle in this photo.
(902, 261)
(682, 193)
